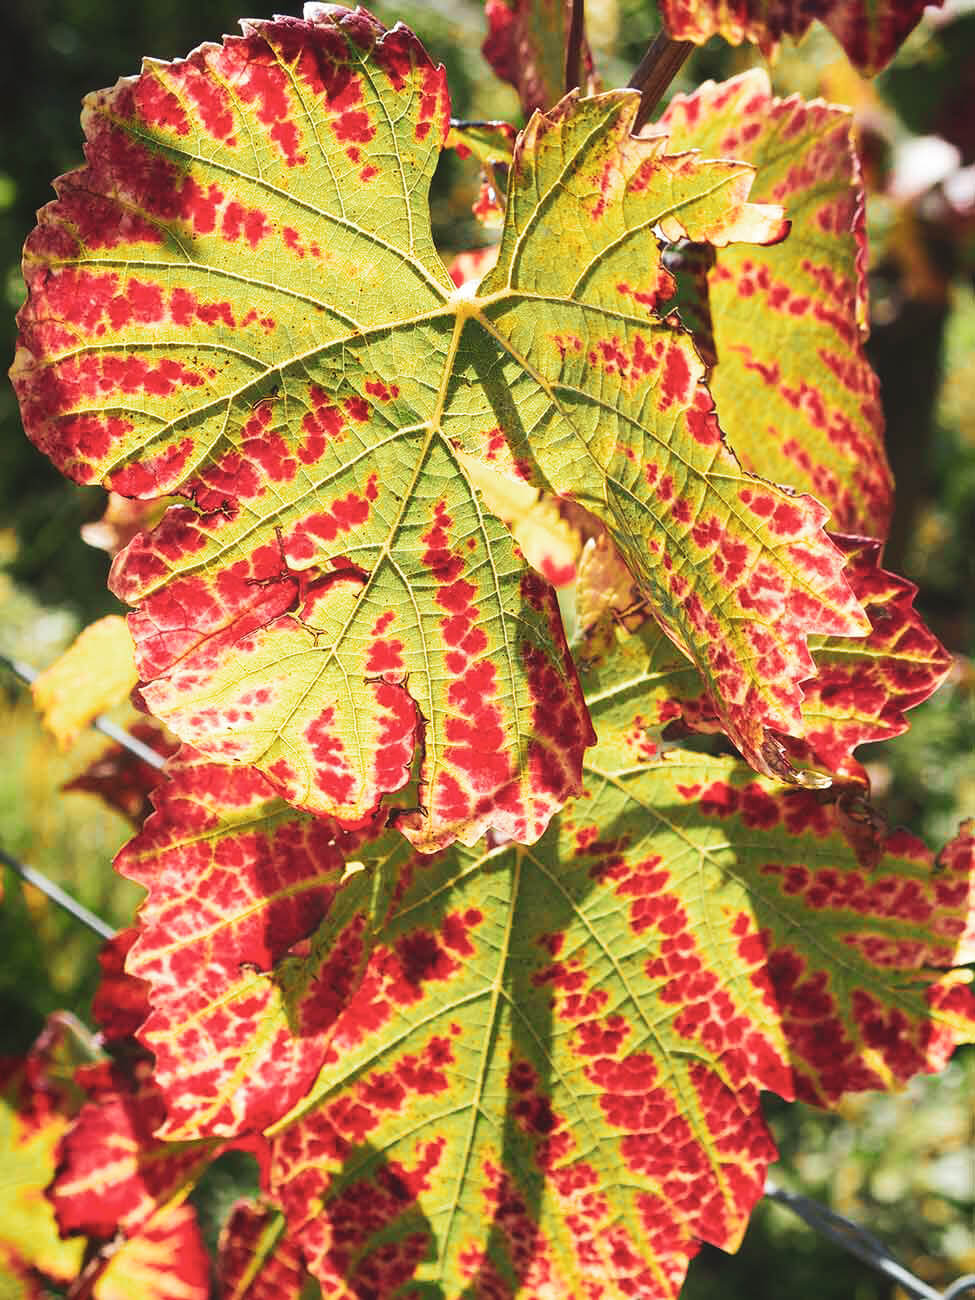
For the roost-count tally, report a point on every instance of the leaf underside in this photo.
(563, 1042)
(211, 315)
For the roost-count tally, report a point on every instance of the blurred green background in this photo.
(904, 1165)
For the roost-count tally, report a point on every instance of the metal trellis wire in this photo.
(857, 1241)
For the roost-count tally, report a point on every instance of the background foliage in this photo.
(903, 1164)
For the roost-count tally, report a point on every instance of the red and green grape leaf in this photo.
(247, 942)
(870, 31)
(211, 313)
(792, 384)
(121, 1001)
(257, 1259)
(526, 47)
(166, 1260)
(488, 142)
(114, 1174)
(549, 1078)
(640, 684)
(36, 1109)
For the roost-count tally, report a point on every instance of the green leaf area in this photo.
(238, 300)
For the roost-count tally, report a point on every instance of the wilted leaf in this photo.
(549, 1078)
(793, 387)
(96, 672)
(860, 694)
(605, 584)
(526, 46)
(869, 30)
(245, 975)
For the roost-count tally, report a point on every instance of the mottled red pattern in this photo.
(822, 430)
(870, 33)
(113, 1172)
(236, 881)
(275, 1273)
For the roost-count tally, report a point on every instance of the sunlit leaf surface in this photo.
(869, 30)
(210, 313)
(549, 1077)
(861, 691)
(793, 386)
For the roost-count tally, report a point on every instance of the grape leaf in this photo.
(566, 1042)
(257, 1259)
(35, 1112)
(242, 1003)
(817, 425)
(167, 1260)
(860, 692)
(121, 1003)
(869, 30)
(526, 47)
(162, 1259)
(113, 1173)
(489, 142)
(120, 779)
(96, 672)
(336, 598)
(263, 248)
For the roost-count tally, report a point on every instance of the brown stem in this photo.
(84, 1284)
(573, 44)
(657, 69)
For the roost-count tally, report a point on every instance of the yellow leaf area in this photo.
(28, 1233)
(548, 542)
(96, 672)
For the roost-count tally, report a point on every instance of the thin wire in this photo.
(857, 1241)
(105, 725)
(58, 895)
(113, 731)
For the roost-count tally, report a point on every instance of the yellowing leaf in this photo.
(334, 604)
(793, 386)
(548, 541)
(96, 672)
